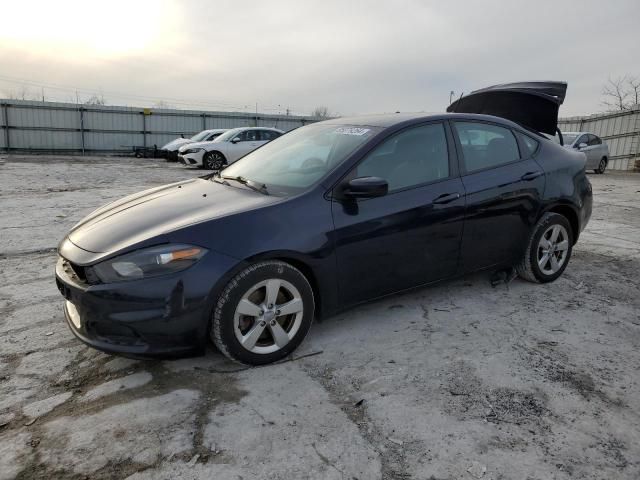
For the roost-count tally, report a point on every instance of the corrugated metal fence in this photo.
(52, 127)
(620, 130)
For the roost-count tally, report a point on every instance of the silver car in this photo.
(227, 148)
(591, 145)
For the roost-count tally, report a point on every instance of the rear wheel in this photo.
(263, 314)
(602, 166)
(548, 251)
(213, 161)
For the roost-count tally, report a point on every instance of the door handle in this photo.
(531, 175)
(446, 198)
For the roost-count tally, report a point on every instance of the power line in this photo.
(74, 90)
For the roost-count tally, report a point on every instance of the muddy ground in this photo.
(455, 381)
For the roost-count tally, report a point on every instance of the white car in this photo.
(172, 147)
(227, 148)
(596, 151)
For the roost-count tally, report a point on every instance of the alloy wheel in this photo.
(214, 161)
(602, 166)
(552, 249)
(268, 316)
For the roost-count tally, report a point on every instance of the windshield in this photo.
(568, 138)
(300, 158)
(199, 136)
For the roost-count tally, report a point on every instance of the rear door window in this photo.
(593, 140)
(268, 135)
(485, 145)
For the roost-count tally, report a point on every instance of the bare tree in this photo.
(621, 93)
(23, 92)
(615, 94)
(163, 104)
(634, 90)
(321, 112)
(95, 100)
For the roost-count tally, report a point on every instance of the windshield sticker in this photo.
(351, 130)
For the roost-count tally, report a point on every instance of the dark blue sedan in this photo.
(325, 217)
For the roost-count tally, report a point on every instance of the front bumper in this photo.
(161, 316)
(191, 158)
(170, 155)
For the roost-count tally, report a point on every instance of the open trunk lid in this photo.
(531, 104)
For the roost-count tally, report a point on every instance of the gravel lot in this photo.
(456, 381)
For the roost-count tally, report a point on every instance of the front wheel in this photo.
(263, 314)
(548, 251)
(213, 161)
(602, 166)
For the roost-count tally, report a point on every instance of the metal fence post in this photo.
(204, 121)
(82, 128)
(144, 130)
(5, 116)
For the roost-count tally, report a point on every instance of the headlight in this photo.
(193, 150)
(148, 262)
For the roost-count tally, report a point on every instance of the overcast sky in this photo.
(351, 56)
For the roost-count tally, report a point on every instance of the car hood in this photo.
(531, 104)
(174, 144)
(158, 211)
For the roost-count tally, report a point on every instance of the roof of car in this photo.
(386, 120)
(257, 128)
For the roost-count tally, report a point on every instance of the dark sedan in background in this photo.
(325, 217)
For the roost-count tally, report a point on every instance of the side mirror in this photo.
(581, 146)
(235, 140)
(366, 187)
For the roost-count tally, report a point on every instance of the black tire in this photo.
(602, 166)
(223, 328)
(529, 269)
(214, 161)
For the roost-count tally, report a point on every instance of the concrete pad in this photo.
(118, 385)
(142, 431)
(41, 407)
(523, 380)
